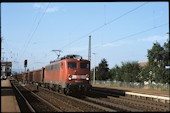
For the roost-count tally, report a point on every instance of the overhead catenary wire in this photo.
(31, 36)
(134, 34)
(129, 36)
(105, 24)
(35, 19)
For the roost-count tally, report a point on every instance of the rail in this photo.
(29, 106)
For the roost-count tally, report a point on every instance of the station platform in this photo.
(8, 99)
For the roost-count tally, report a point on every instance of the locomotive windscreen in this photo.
(72, 65)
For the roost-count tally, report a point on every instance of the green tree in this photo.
(112, 74)
(144, 74)
(166, 53)
(130, 71)
(115, 73)
(156, 53)
(158, 58)
(102, 71)
(166, 62)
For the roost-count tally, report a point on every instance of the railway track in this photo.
(24, 105)
(68, 103)
(141, 104)
(96, 101)
(103, 100)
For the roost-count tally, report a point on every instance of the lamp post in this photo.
(94, 72)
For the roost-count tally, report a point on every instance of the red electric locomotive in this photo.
(69, 74)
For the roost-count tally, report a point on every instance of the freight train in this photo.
(70, 74)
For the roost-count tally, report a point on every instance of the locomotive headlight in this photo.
(69, 77)
(87, 77)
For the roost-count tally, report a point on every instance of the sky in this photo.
(120, 31)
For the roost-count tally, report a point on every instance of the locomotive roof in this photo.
(71, 56)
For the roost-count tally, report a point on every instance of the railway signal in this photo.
(25, 63)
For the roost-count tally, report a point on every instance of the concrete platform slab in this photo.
(8, 99)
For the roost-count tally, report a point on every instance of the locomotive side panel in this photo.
(50, 74)
(55, 75)
(63, 72)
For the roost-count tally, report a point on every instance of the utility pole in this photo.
(0, 42)
(94, 72)
(0, 55)
(3, 55)
(1, 49)
(89, 52)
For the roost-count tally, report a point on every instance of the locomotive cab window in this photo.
(84, 65)
(72, 65)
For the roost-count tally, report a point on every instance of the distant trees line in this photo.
(154, 71)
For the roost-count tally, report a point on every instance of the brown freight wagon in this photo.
(19, 77)
(38, 76)
(30, 76)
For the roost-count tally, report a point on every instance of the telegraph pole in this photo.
(89, 52)
(1, 40)
(1, 35)
(1, 49)
(0, 53)
(94, 72)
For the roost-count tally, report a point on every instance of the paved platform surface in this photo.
(8, 99)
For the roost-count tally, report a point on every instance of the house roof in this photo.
(142, 64)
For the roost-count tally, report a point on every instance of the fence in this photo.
(144, 85)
